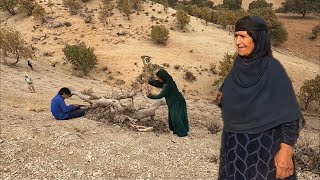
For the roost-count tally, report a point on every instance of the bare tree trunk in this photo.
(304, 14)
(148, 112)
(307, 103)
(11, 11)
(115, 102)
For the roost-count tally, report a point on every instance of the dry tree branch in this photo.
(115, 103)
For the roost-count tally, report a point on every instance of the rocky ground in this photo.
(35, 146)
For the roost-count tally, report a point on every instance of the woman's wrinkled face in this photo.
(244, 43)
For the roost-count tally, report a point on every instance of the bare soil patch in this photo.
(298, 31)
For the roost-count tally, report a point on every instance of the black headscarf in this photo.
(164, 76)
(257, 93)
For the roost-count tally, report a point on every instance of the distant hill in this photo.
(245, 3)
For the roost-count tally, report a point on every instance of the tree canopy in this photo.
(302, 7)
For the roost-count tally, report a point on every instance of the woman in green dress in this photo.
(177, 117)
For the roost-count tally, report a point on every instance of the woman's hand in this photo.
(283, 161)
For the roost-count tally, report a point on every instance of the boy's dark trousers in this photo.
(77, 112)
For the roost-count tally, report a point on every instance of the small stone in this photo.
(71, 152)
(6, 169)
(88, 158)
(68, 24)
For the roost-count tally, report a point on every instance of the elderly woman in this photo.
(260, 112)
(178, 117)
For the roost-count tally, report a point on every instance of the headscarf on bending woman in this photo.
(257, 93)
(164, 76)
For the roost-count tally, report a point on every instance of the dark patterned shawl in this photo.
(257, 93)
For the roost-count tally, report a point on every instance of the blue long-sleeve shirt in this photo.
(59, 109)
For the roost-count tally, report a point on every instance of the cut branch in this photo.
(148, 112)
(109, 102)
(98, 102)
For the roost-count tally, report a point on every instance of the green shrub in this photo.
(192, 10)
(315, 32)
(201, 3)
(39, 13)
(12, 43)
(72, 5)
(172, 3)
(182, 19)
(278, 34)
(189, 76)
(226, 17)
(137, 4)
(125, 7)
(159, 35)
(232, 4)
(8, 5)
(197, 2)
(310, 92)
(81, 57)
(106, 1)
(279, 10)
(224, 68)
(259, 4)
(215, 15)
(27, 6)
(105, 13)
(165, 4)
(206, 14)
(302, 7)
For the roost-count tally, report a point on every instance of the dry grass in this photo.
(213, 69)
(214, 127)
(176, 67)
(166, 65)
(307, 153)
(189, 76)
(109, 115)
(88, 91)
(80, 130)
